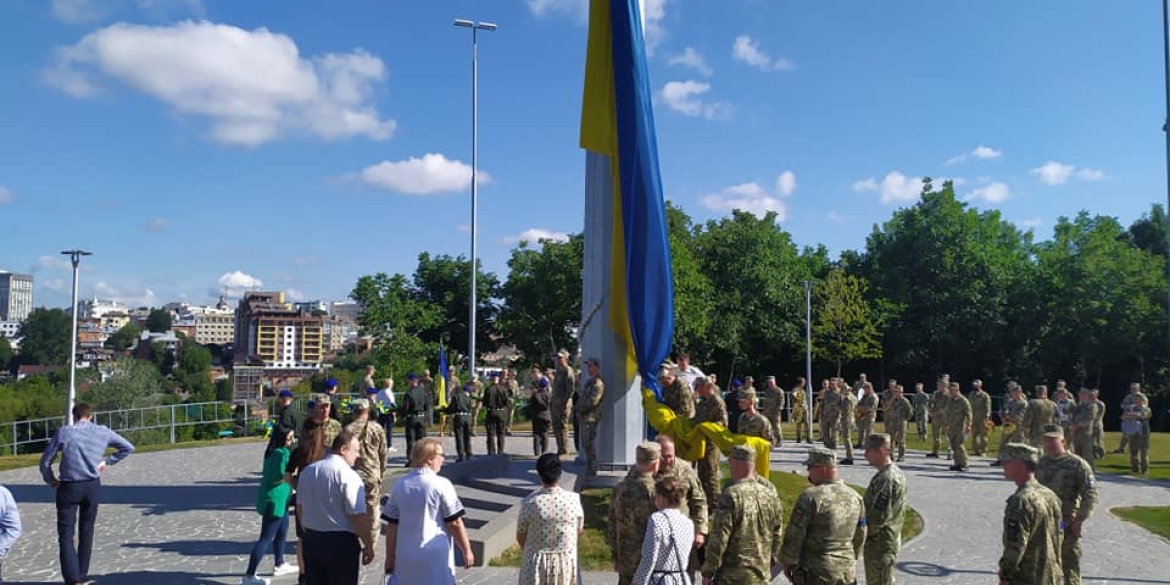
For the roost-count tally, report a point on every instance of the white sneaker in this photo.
(285, 569)
(253, 580)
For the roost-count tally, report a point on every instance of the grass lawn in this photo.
(33, 459)
(1154, 519)
(596, 555)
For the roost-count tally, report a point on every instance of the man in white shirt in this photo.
(386, 404)
(686, 372)
(331, 503)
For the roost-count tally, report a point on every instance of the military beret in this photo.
(736, 383)
(371, 390)
(877, 441)
(1054, 431)
(543, 383)
(412, 376)
(744, 452)
(286, 393)
(1020, 452)
(821, 456)
(360, 404)
(319, 397)
(330, 382)
(648, 452)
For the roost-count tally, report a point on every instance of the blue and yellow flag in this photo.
(441, 379)
(617, 121)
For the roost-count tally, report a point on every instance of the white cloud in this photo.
(129, 296)
(295, 296)
(48, 262)
(535, 235)
(748, 50)
(1056, 173)
(653, 14)
(578, 9)
(691, 58)
(88, 11)
(991, 193)
(1028, 224)
(894, 188)
(980, 152)
(6, 195)
(236, 283)
(252, 86)
(753, 198)
(433, 173)
(157, 224)
(685, 97)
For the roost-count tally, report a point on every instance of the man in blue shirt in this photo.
(82, 446)
(9, 525)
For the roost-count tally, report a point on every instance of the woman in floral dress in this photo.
(551, 519)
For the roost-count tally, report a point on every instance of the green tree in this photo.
(844, 329)
(158, 321)
(131, 384)
(125, 337)
(5, 352)
(1149, 232)
(396, 319)
(693, 291)
(45, 337)
(193, 371)
(541, 307)
(445, 282)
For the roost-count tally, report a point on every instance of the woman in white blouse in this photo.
(669, 535)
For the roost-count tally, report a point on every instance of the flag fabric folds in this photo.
(441, 381)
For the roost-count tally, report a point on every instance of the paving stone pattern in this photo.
(186, 517)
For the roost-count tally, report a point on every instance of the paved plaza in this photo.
(186, 517)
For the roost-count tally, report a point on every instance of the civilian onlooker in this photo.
(288, 417)
(82, 446)
(425, 522)
(551, 520)
(272, 505)
(386, 407)
(669, 535)
(331, 503)
(9, 526)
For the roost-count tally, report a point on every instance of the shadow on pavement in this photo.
(155, 499)
(964, 476)
(930, 570)
(159, 578)
(204, 548)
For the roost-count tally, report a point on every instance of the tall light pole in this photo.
(475, 28)
(1166, 125)
(808, 353)
(75, 256)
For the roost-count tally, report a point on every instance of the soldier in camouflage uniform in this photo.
(631, 507)
(1040, 413)
(867, 409)
(513, 395)
(751, 422)
(371, 462)
(938, 419)
(1012, 413)
(589, 409)
(897, 413)
(827, 528)
(1099, 426)
(710, 408)
(747, 529)
(799, 415)
(1084, 418)
(980, 415)
(774, 400)
(1071, 479)
(1135, 390)
(693, 496)
(564, 382)
(830, 414)
(920, 399)
(1031, 523)
(676, 394)
(846, 408)
(885, 507)
(958, 415)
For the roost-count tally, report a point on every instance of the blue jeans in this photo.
(74, 497)
(274, 533)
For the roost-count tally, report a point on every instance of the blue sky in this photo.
(198, 144)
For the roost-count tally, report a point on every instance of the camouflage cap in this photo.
(319, 397)
(360, 404)
(648, 452)
(877, 441)
(1020, 452)
(770, 379)
(747, 394)
(563, 353)
(744, 452)
(1085, 391)
(748, 379)
(821, 456)
(1053, 431)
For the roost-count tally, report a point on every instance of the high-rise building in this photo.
(271, 330)
(16, 296)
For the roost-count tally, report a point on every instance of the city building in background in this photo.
(16, 296)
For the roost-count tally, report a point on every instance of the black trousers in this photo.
(74, 499)
(461, 425)
(332, 558)
(387, 422)
(494, 423)
(539, 436)
(413, 430)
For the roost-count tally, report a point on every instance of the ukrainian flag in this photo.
(441, 381)
(617, 121)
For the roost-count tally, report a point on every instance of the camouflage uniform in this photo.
(885, 507)
(680, 398)
(867, 409)
(938, 419)
(745, 535)
(1071, 479)
(799, 416)
(755, 425)
(980, 414)
(711, 410)
(695, 500)
(1013, 427)
(958, 417)
(846, 408)
(371, 467)
(830, 418)
(1099, 428)
(1039, 413)
(825, 535)
(589, 409)
(1084, 417)
(631, 507)
(898, 412)
(1031, 537)
(920, 401)
(1129, 400)
(564, 382)
(1139, 444)
(773, 408)
(513, 394)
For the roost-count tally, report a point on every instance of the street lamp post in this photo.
(475, 28)
(808, 354)
(75, 257)
(1166, 123)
